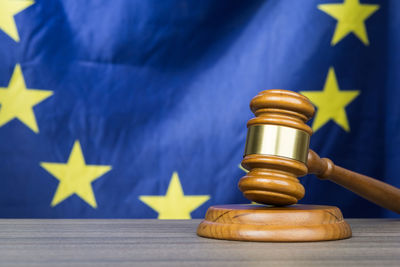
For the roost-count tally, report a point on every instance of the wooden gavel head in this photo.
(276, 147)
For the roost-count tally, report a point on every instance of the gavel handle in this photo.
(380, 193)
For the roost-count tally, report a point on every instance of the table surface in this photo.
(375, 242)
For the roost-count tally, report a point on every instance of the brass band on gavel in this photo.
(276, 147)
(277, 140)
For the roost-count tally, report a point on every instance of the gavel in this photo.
(277, 152)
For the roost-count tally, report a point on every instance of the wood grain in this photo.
(297, 223)
(380, 193)
(175, 243)
(272, 179)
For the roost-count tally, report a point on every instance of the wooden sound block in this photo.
(295, 223)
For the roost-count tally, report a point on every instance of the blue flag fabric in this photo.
(138, 109)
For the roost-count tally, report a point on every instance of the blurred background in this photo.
(138, 109)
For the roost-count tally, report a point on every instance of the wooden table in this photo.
(174, 243)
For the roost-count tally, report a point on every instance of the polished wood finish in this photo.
(282, 107)
(296, 223)
(380, 193)
(273, 180)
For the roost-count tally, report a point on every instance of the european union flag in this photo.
(138, 109)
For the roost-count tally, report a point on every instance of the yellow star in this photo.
(331, 103)
(75, 177)
(17, 101)
(174, 205)
(350, 16)
(8, 9)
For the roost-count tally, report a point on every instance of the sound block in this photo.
(297, 223)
